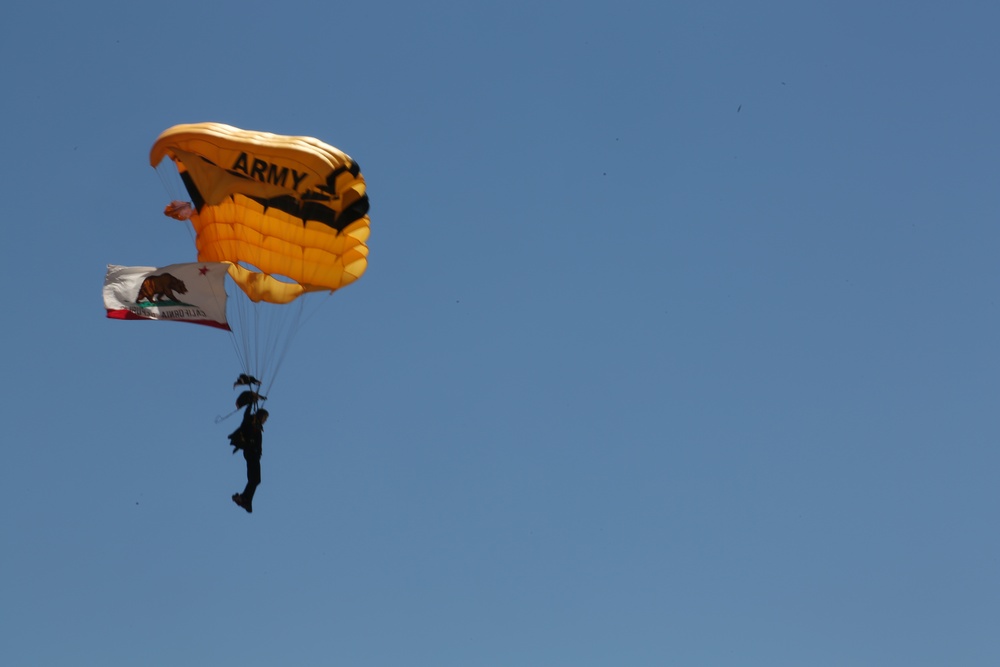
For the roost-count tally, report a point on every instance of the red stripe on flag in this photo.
(125, 314)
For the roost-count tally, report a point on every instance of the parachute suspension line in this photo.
(262, 334)
(240, 355)
(282, 340)
(246, 323)
(268, 332)
(173, 184)
(176, 191)
(298, 318)
(274, 337)
(171, 180)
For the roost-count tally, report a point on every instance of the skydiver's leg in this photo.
(253, 479)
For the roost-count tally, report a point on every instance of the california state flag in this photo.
(180, 292)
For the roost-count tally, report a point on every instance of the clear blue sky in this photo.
(678, 343)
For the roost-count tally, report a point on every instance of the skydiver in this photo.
(249, 438)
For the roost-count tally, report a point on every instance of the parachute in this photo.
(287, 214)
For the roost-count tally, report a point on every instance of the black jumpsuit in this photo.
(249, 438)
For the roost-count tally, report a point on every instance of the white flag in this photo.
(179, 292)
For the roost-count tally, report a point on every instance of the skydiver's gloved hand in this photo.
(179, 210)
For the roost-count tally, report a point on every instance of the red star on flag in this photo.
(203, 270)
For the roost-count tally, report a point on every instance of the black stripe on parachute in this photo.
(312, 205)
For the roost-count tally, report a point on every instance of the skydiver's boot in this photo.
(238, 499)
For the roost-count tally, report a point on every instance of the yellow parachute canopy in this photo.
(290, 214)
